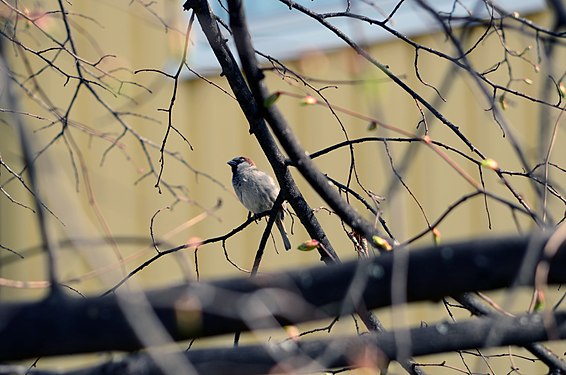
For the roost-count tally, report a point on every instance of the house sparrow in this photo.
(256, 190)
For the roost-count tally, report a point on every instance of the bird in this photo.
(256, 190)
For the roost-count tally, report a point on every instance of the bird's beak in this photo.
(231, 163)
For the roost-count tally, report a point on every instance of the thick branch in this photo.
(244, 97)
(478, 307)
(320, 355)
(206, 309)
(283, 132)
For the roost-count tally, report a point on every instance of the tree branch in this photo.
(319, 355)
(206, 309)
(244, 97)
(283, 132)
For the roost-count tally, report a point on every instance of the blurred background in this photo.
(99, 178)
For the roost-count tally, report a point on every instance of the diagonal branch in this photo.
(238, 85)
(283, 132)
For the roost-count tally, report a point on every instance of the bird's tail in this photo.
(284, 236)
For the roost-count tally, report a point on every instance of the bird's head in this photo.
(241, 161)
